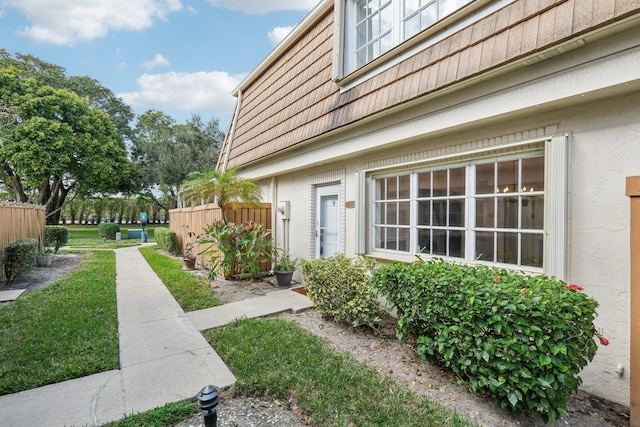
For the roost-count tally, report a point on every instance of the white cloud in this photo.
(123, 66)
(65, 22)
(157, 61)
(264, 6)
(278, 34)
(192, 9)
(201, 92)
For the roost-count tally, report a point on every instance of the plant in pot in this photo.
(44, 257)
(188, 257)
(283, 268)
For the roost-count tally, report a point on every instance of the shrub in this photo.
(56, 236)
(108, 230)
(340, 288)
(167, 240)
(237, 249)
(522, 339)
(18, 258)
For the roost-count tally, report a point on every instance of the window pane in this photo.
(457, 182)
(410, 6)
(439, 242)
(485, 179)
(386, 19)
(531, 250)
(379, 213)
(386, 43)
(424, 184)
(411, 26)
(507, 176)
(403, 239)
(375, 26)
(456, 213)
(392, 213)
(439, 183)
(424, 241)
(424, 213)
(533, 174)
(456, 244)
(440, 213)
(484, 246)
(533, 212)
(392, 188)
(507, 212)
(405, 187)
(404, 213)
(484, 212)
(392, 238)
(379, 237)
(428, 16)
(507, 248)
(449, 6)
(362, 10)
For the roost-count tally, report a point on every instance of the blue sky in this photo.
(181, 57)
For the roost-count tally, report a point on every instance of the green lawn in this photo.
(87, 237)
(277, 358)
(191, 291)
(68, 330)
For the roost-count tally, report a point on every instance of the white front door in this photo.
(328, 221)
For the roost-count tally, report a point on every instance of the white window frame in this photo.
(395, 11)
(344, 69)
(556, 195)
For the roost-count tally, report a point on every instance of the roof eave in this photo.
(295, 34)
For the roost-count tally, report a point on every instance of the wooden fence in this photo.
(20, 221)
(195, 220)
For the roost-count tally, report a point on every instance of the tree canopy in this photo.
(168, 152)
(52, 141)
(98, 96)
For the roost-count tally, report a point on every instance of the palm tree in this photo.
(225, 188)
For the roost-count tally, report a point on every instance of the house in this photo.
(483, 131)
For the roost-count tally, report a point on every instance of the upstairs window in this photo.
(373, 27)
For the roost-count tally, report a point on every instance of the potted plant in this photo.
(283, 268)
(44, 257)
(188, 257)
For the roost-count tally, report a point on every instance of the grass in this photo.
(87, 237)
(68, 330)
(167, 415)
(276, 358)
(191, 291)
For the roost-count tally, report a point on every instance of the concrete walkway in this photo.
(163, 356)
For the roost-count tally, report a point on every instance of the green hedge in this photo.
(19, 256)
(167, 240)
(56, 236)
(108, 230)
(340, 288)
(523, 339)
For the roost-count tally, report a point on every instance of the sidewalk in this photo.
(163, 356)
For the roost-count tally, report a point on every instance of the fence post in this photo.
(633, 191)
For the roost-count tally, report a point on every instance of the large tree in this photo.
(168, 152)
(57, 144)
(98, 96)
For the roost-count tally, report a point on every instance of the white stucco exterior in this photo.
(590, 93)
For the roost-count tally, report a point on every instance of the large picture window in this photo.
(491, 210)
(373, 27)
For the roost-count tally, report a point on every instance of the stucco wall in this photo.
(604, 148)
